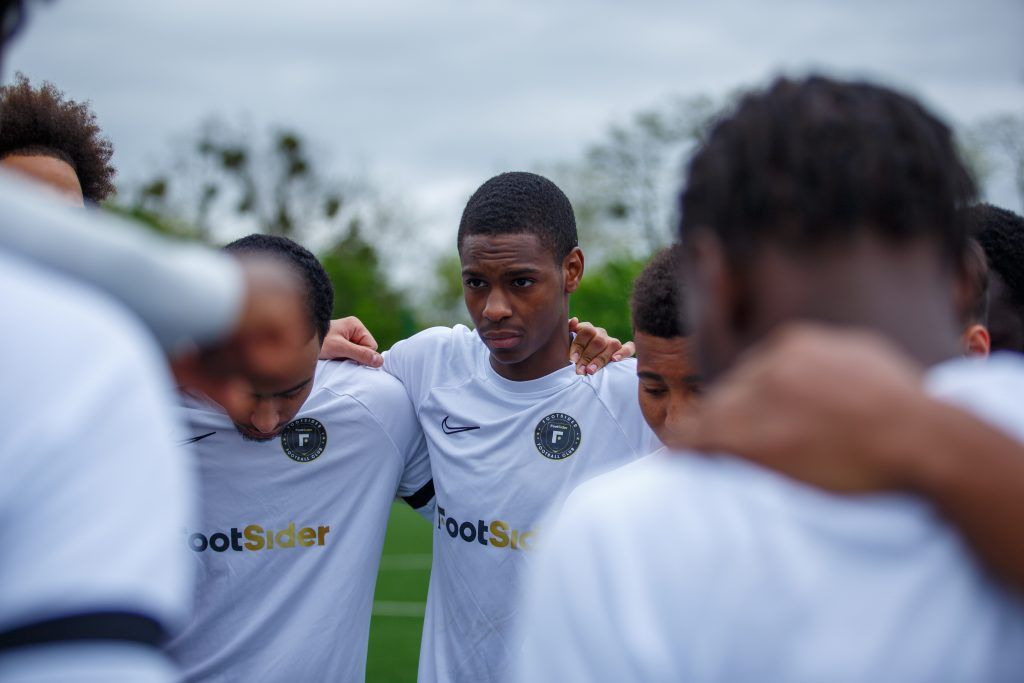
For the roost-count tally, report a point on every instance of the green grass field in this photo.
(400, 598)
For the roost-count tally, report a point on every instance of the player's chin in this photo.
(252, 435)
(509, 355)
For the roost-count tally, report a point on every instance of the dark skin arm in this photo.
(272, 326)
(845, 411)
(592, 347)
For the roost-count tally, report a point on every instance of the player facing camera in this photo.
(520, 263)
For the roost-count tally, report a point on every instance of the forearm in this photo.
(183, 293)
(975, 475)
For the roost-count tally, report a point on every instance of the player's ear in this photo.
(572, 270)
(977, 341)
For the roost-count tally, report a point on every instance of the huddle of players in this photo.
(469, 425)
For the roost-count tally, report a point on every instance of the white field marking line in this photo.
(393, 563)
(384, 608)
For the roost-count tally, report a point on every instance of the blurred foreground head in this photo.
(825, 200)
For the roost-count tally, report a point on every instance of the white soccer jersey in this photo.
(501, 453)
(290, 530)
(690, 568)
(93, 492)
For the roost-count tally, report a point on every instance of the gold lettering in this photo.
(307, 537)
(286, 536)
(253, 537)
(499, 535)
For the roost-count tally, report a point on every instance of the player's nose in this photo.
(265, 416)
(497, 306)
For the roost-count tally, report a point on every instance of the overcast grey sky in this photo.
(434, 97)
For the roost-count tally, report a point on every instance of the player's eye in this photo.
(654, 391)
(523, 282)
(473, 283)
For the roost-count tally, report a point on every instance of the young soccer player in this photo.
(666, 366)
(815, 200)
(56, 142)
(1001, 235)
(294, 500)
(511, 423)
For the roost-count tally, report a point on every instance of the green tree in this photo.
(226, 176)
(603, 295)
(361, 289)
(228, 183)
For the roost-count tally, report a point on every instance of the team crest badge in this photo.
(304, 439)
(557, 436)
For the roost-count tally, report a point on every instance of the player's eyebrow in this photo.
(286, 391)
(520, 272)
(647, 374)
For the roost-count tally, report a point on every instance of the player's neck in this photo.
(551, 357)
(903, 296)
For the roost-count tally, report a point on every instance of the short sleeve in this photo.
(416, 361)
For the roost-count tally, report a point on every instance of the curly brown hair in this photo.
(40, 121)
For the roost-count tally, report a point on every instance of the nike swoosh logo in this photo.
(196, 438)
(448, 429)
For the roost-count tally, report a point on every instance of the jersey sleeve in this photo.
(417, 485)
(93, 499)
(417, 360)
(617, 390)
(393, 411)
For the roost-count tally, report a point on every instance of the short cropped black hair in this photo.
(657, 301)
(1001, 235)
(520, 202)
(40, 122)
(815, 162)
(320, 292)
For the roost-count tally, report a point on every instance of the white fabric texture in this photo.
(287, 546)
(694, 568)
(93, 493)
(502, 453)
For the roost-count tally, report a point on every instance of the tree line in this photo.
(226, 181)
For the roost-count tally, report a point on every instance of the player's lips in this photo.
(501, 340)
(253, 433)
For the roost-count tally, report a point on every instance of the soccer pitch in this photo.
(400, 598)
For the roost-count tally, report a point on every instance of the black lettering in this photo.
(452, 526)
(481, 535)
(236, 538)
(197, 542)
(221, 540)
(468, 532)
